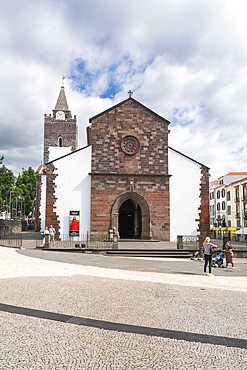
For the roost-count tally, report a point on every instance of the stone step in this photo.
(138, 240)
(150, 253)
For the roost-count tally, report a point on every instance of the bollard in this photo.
(180, 242)
(115, 242)
(47, 241)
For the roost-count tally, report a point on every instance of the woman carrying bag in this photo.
(208, 251)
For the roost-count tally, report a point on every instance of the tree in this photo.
(19, 192)
(7, 182)
(25, 188)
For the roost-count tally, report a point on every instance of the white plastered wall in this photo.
(58, 151)
(184, 194)
(73, 189)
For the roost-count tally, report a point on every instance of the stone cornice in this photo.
(128, 174)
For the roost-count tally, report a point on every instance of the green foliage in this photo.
(7, 182)
(25, 186)
(22, 191)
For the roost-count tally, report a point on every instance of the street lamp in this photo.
(10, 209)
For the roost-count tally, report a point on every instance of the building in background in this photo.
(126, 177)
(228, 205)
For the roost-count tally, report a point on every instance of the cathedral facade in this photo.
(126, 177)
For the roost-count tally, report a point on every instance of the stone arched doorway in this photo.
(134, 205)
(129, 220)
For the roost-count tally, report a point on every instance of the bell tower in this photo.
(60, 129)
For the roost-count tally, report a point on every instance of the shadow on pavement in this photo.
(108, 325)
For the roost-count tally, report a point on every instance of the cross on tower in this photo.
(130, 93)
(63, 78)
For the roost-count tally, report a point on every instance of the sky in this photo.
(184, 59)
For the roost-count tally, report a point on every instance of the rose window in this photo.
(130, 145)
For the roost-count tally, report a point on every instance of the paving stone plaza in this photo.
(95, 312)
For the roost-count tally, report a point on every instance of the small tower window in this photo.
(60, 141)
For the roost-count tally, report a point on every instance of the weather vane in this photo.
(63, 78)
(130, 93)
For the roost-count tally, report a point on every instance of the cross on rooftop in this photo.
(130, 93)
(63, 78)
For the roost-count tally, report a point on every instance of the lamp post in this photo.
(244, 218)
(10, 209)
(219, 219)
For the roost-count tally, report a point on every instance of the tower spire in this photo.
(61, 101)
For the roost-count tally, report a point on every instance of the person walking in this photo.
(208, 251)
(46, 232)
(52, 233)
(229, 255)
(111, 234)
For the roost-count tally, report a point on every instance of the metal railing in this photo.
(188, 242)
(240, 246)
(85, 241)
(11, 240)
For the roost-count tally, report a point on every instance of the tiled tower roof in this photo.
(61, 101)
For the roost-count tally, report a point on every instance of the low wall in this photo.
(8, 227)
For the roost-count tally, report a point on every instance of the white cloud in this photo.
(185, 59)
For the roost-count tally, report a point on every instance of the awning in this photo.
(223, 228)
(242, 231)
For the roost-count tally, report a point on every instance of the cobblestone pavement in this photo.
(56, 315)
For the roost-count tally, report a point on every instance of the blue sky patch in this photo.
(178, 117)
(114, 77)
(239, 151)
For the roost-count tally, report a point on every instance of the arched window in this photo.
(60, 141)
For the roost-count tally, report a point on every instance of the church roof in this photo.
(61, 101)
(124, 101)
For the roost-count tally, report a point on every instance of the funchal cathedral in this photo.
(126, 177)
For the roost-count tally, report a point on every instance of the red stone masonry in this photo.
(204, 215)
(54, 129)
(51, 216)
(38, 202)
(112, 168)
(155, 190)
(129, 118)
